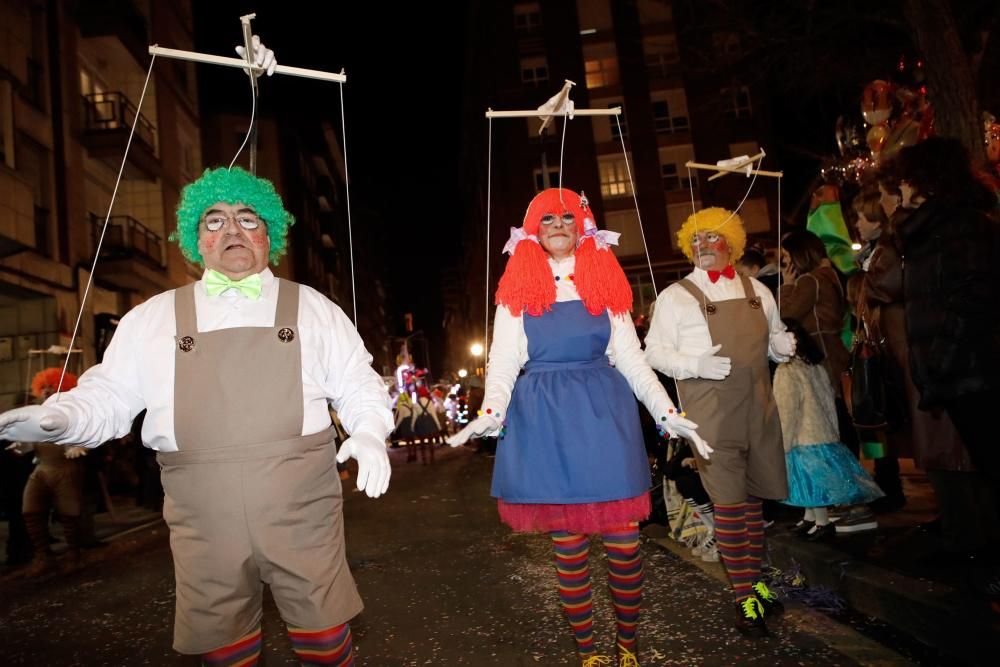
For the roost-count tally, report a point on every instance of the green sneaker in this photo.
(768, 600)
(750, 618)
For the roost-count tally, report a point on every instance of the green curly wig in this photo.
(232, 186)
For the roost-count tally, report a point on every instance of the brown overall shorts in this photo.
(737, 416)
(248, 499)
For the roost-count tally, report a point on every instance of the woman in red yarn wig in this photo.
(563, 367)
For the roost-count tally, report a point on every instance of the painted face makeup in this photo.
(233, 240)
(710, 251)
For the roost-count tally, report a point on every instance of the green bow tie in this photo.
(217, 283)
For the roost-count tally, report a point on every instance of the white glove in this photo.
(784, 344)
(75, 452)
(373, 462)
(34, 423)
(711, 367)
(682, 427)
(478, 427)
(20, 448)
(263, 56)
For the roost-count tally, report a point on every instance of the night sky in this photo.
(404, 66)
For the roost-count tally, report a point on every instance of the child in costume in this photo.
(570, 459)
(713, 332)
(821, 470)
(56, 482)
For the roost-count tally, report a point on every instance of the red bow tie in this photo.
(728, 272)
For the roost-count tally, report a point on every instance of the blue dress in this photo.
(572, 427)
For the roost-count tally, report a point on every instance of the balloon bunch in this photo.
(894, 116)
(899, 116)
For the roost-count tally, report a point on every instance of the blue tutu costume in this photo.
(571, 456)
(822, 471)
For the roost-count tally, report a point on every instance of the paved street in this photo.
(443, 582)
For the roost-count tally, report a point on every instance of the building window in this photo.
(540, 180)
(737, 100)
(674, 179)
(601, 72)
(662, 55)
(617, 121)
(534, 71)
(666, 123)
(614, 177)
(527, 18)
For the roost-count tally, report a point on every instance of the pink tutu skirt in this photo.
(582, 518)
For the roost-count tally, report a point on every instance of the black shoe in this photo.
(801, 527)
(768, 600)
(750, 618)
(819, 533)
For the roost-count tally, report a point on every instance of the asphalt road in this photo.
(444, 583)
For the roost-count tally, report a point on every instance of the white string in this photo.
(489, 194)
(635, 199)
(107, 218)
(347, 188)
(562, 145)
(253, 112)
(778, 250)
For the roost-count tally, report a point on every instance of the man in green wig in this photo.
(236, 371)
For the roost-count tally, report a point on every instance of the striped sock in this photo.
(244, 652)
(332, 646)
(573, 569)
(625, 577)
(755, 534)
(734, 545)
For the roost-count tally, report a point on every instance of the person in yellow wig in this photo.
(713, 332)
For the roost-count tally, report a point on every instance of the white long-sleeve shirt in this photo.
(678, 333)
(509, 353)
(138, 368)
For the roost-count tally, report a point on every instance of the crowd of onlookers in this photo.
(910, 321)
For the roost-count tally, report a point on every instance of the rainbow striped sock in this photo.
(572, 553)
(625, 577)
(332, 646)
(755, 535)
(244, 652)
(734, 544)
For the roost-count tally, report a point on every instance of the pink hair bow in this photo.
(604, 238)
(517, 234)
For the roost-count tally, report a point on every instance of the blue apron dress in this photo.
(572, 434)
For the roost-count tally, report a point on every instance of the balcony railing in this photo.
(127, 237)
(114, 111)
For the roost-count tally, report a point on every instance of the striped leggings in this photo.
(329, 647)
(739, 532)
(572, 553)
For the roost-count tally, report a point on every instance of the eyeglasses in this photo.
(216, 221)
(567, 219)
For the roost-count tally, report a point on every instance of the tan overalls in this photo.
(249, 500)
(737, 416)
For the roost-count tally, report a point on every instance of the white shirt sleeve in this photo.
(508, 354)
(355, 390)
(108, 396)
(625, 354)
(663, 342)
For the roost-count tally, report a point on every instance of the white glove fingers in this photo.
(343, 453)
(363, 474)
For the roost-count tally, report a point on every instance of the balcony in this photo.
(107, 121)
(132, 257)
(115, 18)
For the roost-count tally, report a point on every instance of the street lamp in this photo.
(462, 372)
(476, 349)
